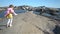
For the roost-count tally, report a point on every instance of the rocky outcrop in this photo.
(29, 23)
(53, 12)
(42, 23)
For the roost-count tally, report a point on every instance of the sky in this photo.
(34, 3)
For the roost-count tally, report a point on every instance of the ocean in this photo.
(17, 11)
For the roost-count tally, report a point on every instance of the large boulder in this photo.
(42, 23)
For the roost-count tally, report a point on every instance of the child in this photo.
(9, 15)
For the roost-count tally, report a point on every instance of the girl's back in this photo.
(9, 13)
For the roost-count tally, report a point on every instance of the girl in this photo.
(9, 15)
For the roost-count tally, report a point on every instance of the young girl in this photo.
(9, 15)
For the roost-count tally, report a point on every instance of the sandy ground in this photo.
(26, 23)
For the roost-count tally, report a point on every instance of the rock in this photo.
(29, 23)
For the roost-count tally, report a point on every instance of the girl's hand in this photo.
(16, 14)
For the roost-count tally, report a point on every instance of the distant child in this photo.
(9, 15)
